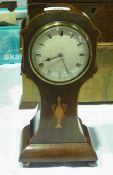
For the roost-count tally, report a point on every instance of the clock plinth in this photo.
(60, 152)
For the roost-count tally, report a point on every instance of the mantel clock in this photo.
(59, 55)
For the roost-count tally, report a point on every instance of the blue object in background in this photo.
(10, 44)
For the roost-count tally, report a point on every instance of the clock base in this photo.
(60, 153)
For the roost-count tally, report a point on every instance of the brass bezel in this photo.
(57, 24)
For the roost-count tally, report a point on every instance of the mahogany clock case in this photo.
(45, 143)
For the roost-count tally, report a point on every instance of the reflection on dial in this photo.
(60, 53)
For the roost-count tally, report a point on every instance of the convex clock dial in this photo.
(60, 52)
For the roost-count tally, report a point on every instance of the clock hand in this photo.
(65, 66)
(59, 56)
(49, 59)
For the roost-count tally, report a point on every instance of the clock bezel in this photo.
(57, 24)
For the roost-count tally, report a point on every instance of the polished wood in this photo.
(102, 81)
(57, 135)
(100, 12)
(68, 152)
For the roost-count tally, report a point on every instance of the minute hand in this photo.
(65, 66)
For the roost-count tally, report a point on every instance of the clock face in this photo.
(60, 53)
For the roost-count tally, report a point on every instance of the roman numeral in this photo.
(81, 54)
(49, 72)
(61, 33)
(49, 35)
(79, 44)
(41, 44)
(41, 65)
(38, 54)
(78, 65)
(72, 35)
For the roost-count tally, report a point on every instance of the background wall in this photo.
(20, 3)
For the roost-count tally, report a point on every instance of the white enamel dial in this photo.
(60, 53)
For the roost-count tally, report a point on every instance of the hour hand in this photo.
(49, 59)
